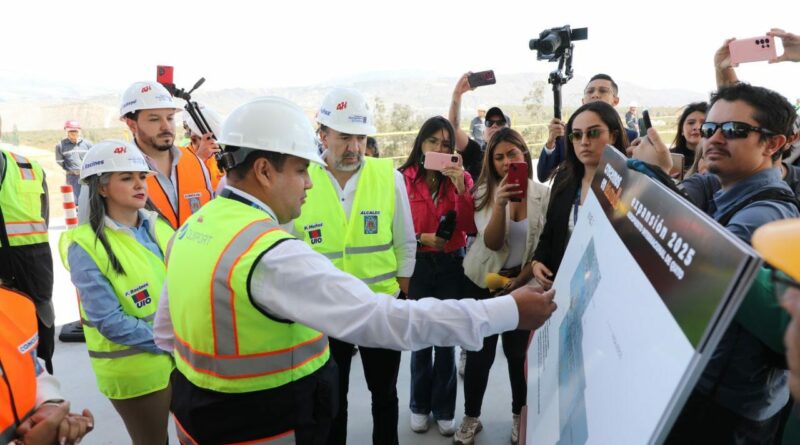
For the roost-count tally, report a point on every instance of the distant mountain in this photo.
(36, 105)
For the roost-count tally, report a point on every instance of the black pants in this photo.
(476, 370)
(306, 406)
(705, 422)
(380, 370)
(29, 269)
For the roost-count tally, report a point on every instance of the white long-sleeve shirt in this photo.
(293, 282)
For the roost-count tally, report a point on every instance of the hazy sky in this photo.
(232, 43)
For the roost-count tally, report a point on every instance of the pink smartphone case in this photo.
(754, 49)
(440, 161)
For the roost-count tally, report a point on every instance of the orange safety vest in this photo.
(18, 340)
(190, 188)
(214, 172)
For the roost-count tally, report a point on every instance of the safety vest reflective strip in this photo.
(26, 171)
(22, 228)
(285, 438)
(253, 365)
(227, 362)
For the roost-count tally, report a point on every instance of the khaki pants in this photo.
(146, 417)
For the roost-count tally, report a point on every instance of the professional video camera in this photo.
(555, 45)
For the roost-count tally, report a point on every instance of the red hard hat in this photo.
(72, 125)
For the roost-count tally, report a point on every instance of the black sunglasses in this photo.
(732, 130)
(492, 122)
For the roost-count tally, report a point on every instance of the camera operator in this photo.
(601, 87)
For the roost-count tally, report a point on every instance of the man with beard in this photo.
(358, 215)
(181, 184)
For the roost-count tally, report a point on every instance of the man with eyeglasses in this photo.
(600, 87)
(358, 215)
(471, 151)
(740, 394)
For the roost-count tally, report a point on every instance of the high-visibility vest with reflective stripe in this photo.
(21, 197)
(190, 189)
(122, 371)
(361, 244)
(223, 342)
(18, 340)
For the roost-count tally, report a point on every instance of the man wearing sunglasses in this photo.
(472, 151)
(740, 394)
(600, 87)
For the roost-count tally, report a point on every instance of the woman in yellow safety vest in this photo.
(116, 262)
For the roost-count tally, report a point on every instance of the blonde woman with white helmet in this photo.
(116, 262)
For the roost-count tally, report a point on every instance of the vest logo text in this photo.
(140, 296)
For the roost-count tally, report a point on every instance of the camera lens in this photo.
(454, 159)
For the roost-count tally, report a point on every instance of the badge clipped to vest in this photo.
(140, 296)
(314, 233)
(194, 201)
(370, 221)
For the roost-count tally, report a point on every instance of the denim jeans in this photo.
(75, 182)
(433, 371)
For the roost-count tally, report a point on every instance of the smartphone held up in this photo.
(481, 78)
(440, 161)
(754, 49)
(518, 174)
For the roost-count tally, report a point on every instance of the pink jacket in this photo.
(426, 214)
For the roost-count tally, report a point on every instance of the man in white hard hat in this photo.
(358, 215)
(181, 184)
(203, 145)
(632, 117)
(70, 153)
(246, 306)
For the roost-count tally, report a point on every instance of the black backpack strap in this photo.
(770, 194)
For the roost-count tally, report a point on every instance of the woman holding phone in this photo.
(116, 262)
(508, 227)
(687, 139)
(592, 127)
(438, 273)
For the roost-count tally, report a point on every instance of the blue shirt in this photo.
(755, 215)
(740, 375)
(100, 302)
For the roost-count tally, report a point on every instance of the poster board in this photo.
(647, 286)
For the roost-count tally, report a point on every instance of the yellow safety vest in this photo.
(125, 372)
(360, 245)
(22, 196)
(223, 342)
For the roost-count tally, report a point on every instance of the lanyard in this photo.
(575, 206)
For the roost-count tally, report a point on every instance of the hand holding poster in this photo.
(646, 288)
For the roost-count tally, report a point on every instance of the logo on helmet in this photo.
(358, 119)
(341, 106)
(119, 150)
(146, 88)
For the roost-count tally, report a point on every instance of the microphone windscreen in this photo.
(496, 281)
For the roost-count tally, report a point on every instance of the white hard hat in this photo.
(146, 96)
(113, 156)
(633, 104)
(213, 119)
(346, 111)
(271, 124)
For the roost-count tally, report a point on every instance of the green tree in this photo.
(538, 113)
